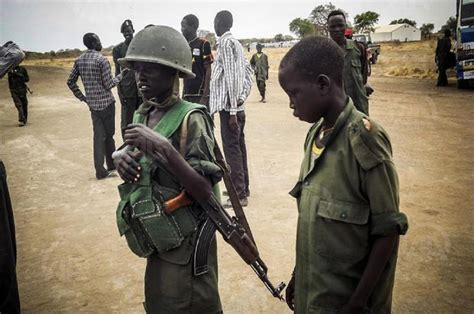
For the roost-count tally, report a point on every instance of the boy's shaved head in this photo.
(316, 55)
(192, 20)
(335, 13)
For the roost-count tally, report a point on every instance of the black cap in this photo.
(126, 23)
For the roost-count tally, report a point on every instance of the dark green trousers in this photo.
(21, 104)
(171, 287)
(261, 87)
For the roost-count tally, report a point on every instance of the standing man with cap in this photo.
(17, 79)
(127, 89)
(96, 75)
(197, 89)
(231, 80)
(259, 64)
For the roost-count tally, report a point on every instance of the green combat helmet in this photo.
(163, 45)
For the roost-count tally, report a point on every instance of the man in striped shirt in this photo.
(96, 75)
(231, 80)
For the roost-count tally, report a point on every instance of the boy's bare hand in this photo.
(148, 141)
(128, 167)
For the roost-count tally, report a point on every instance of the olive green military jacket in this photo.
(260, 66)
(353, 77)
(346, 199)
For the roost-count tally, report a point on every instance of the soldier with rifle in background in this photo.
(168, 212)
(17, 79)
(127, 88)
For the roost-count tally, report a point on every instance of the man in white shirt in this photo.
(231, 80)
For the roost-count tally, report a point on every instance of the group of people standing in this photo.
(221, 84)
(347, 191)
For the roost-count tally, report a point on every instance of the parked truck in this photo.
(464, 48)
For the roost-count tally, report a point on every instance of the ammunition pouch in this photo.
(146, 226)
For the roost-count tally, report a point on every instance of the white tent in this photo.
(401, 32)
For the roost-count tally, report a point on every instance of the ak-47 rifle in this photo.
(234, 230)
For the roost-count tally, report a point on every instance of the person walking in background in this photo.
(95, 72)
(260, 66)
(231, 81)
(127, 88)
(442, 57)
(17, 79)
(196, 89)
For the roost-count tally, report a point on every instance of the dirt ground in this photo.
(70, 255)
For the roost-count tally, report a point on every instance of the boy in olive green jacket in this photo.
(349, 222)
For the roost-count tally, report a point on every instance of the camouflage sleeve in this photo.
(200, 147)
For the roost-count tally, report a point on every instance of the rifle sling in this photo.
(234, 199)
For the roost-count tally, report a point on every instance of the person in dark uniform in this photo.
(259, 62)
(197, 89)
(442, 53)
(17, 78)
(127, 89)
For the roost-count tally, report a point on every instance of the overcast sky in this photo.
(52, 25)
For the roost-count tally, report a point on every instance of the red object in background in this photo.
(348, 33)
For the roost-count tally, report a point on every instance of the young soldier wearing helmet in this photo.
(165, 161)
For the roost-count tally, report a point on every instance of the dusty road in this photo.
(71, 258)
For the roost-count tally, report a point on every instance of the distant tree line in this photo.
(62, 54)
(316, 23)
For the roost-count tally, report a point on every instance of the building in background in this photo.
(400, 32)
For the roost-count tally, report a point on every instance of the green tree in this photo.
(451, 24)
(278, 37)
(404, 21)
(364, 22)
(302, 27)
(426, 30)
(319, 17)
(287, 38)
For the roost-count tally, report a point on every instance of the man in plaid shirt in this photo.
(96, 75)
